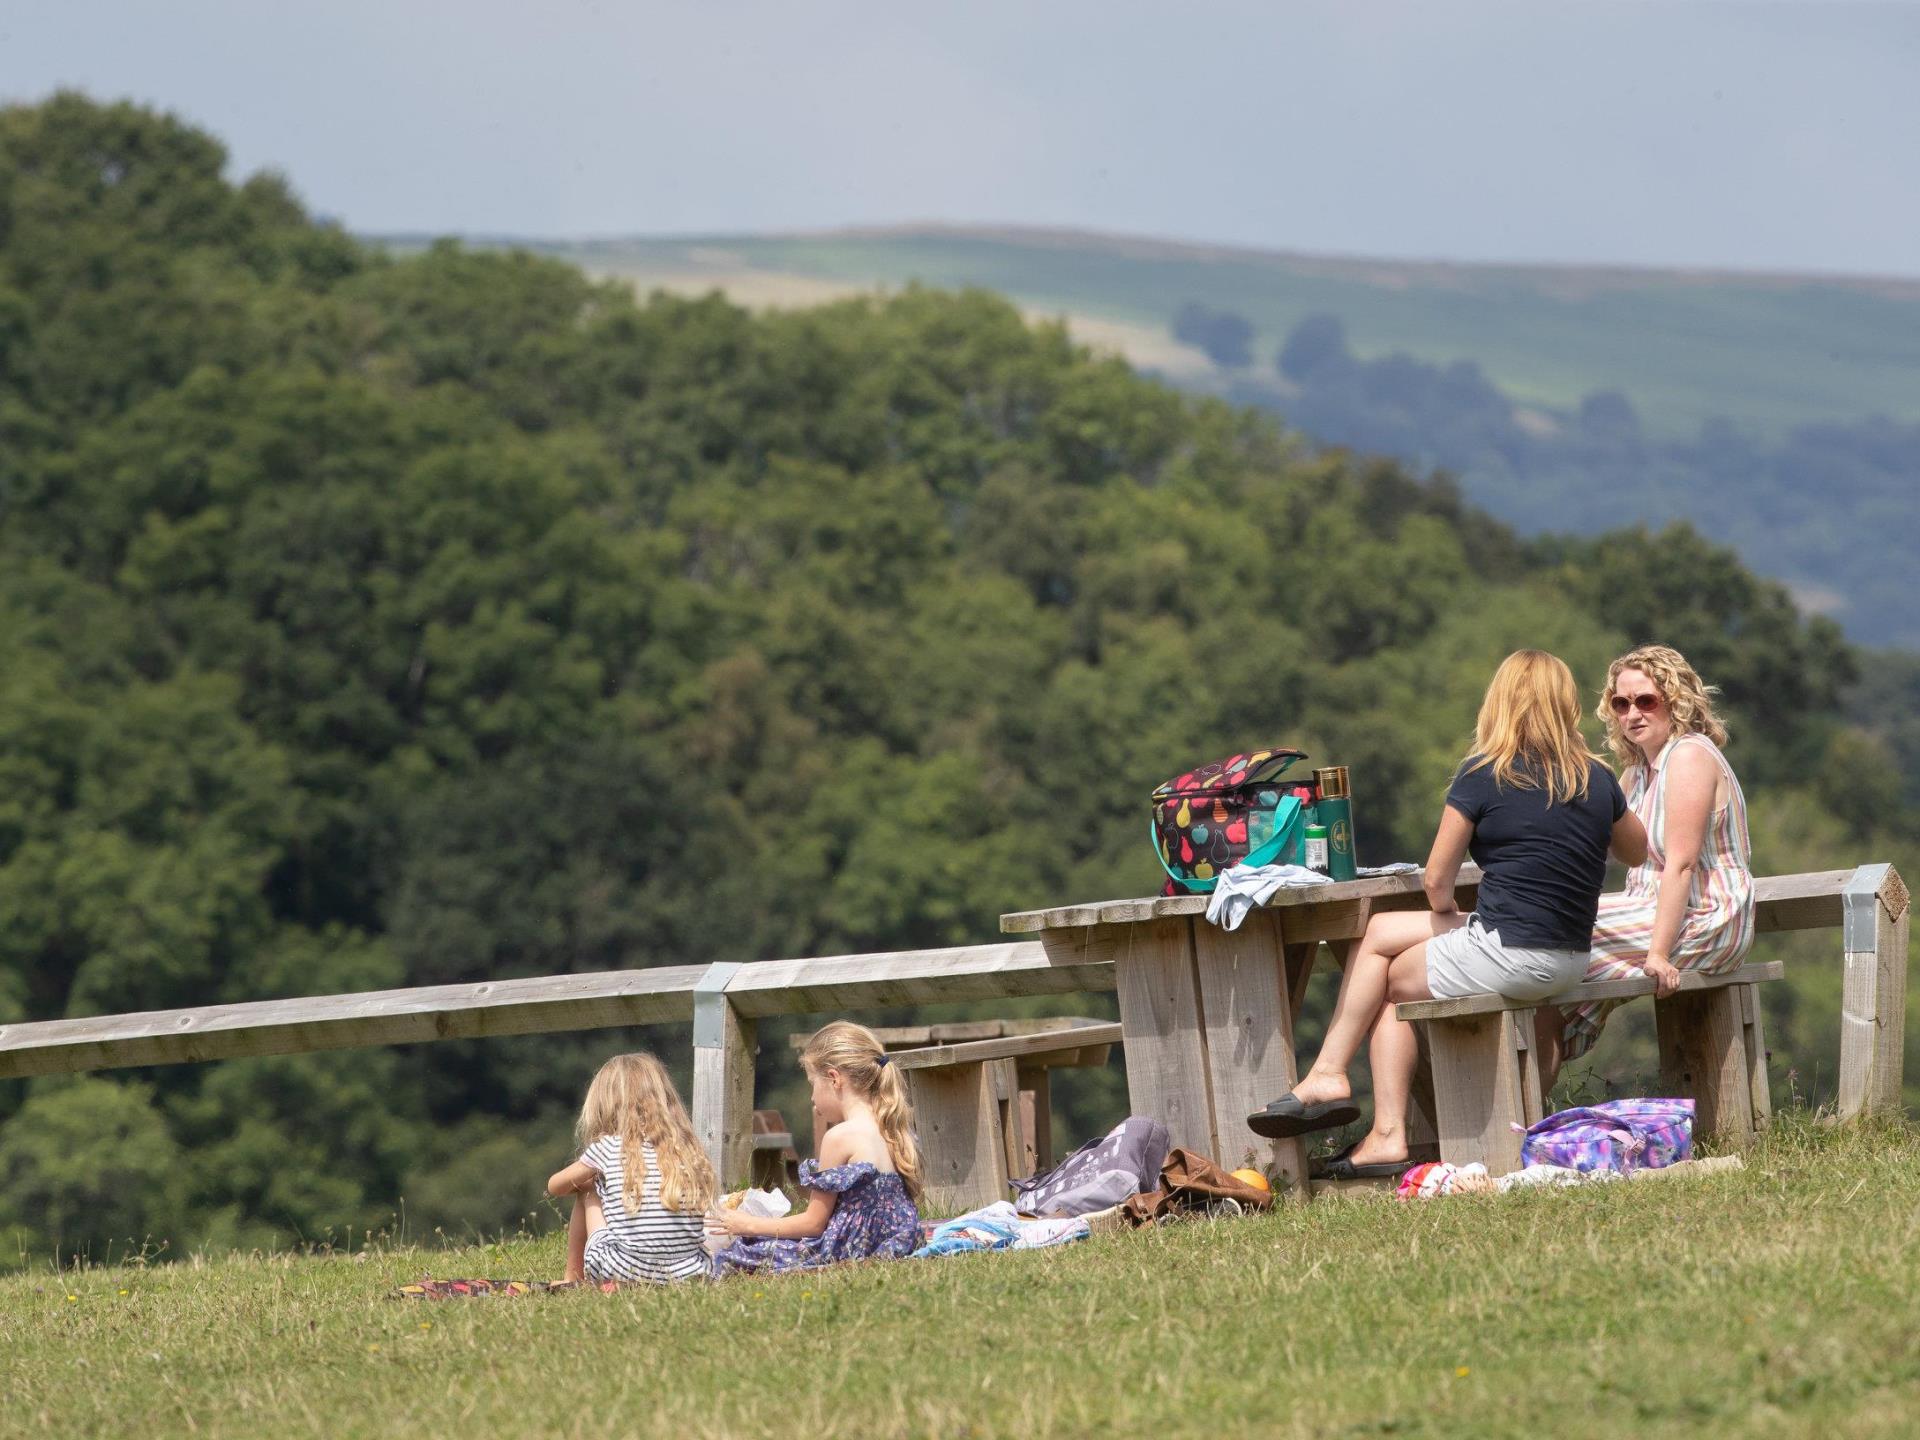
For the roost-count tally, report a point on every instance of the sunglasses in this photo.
(1645, 704)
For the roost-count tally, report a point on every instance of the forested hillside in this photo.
(371, 622)
(1780, 414)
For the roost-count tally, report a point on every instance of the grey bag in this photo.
(1103, 1172)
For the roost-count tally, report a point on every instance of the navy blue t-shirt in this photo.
(1542, 865)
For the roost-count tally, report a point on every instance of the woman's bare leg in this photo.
(1363, 993)
(1549, 1038)
(1393, 1055)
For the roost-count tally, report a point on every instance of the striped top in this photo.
(652, 1243)
(1719, 920)
(1717, 930)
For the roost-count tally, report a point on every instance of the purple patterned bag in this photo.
(1619, 1135)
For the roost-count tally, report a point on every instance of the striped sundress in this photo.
(1718, 929)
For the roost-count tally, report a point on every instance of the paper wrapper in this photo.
(767, 1204)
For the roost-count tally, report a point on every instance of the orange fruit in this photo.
(1253, 1178)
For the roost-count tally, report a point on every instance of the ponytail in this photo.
(858, 1055)
(893, 1113)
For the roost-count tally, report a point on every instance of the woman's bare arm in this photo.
(1629, 844)
(1692, 778)
(1442, 873)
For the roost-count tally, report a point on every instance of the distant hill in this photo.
(1779, 413)
(1765, 352)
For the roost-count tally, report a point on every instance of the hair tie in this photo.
(881, 1063)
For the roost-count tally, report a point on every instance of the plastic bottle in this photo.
(1316, 848)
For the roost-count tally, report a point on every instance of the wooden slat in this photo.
(956, 1118)
(1248, 1028)
(1300, 962)
(602, 1000)
(1703, 1054)
(913, 1037)
(1009, 1047)
(1165, 1048)
(1753, 1040)
(1781, 902)
(1036, 1118)
(1874, 994)
(1005, 1075)
(1598, 990)
(1480, 1087)
(914, 977)
(722, 1109)
(1121, 912)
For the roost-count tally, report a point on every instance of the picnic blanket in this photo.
(431, 1289)
(999, 1227)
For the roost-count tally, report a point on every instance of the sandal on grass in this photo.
(1289, 1116)
(1340, 1166)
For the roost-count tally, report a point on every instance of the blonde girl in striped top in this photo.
(1689, 906)
(642, 1184)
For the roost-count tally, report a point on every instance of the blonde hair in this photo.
(1529, 728)
(1688, 700)
(632, 1097)
(857, 1054)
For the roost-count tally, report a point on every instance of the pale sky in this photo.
(1689, 132)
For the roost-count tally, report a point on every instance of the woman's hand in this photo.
(1665, 978)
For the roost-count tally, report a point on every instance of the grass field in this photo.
(1776, 1301)
(1764, 351)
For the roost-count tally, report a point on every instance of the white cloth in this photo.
(1242, 887)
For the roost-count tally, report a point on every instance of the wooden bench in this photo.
(775, 1162)
(1486, 1077)
(1033, 1072)
(978, 1103)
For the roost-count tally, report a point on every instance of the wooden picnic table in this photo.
(1208, 1014)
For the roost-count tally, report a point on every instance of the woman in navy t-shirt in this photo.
(1539, 813)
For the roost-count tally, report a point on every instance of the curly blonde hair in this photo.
(1688, 699)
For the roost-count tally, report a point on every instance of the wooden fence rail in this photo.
(1074, 949)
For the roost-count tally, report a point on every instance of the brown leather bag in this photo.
(1190, 1182)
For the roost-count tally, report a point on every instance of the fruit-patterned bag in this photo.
(1618, 1135)
(1223, 813)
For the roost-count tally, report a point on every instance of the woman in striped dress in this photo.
(1689, 906)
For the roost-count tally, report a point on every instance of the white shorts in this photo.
(1471, 960)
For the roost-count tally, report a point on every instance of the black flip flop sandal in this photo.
(1289, 1116)
(1341, 1167)
(1317, 1165)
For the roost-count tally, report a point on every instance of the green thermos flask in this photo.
(1335, 811)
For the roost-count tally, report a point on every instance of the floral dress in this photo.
(1717, 932)
(875, 1219)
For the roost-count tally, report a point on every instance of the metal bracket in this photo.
(710, 1005)
(1860, 908)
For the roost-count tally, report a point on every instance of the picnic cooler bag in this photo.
(1617, 1135)
(1229, 812)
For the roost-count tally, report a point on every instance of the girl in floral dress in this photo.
(862, 1188)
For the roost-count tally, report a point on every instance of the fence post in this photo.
(1873, 1007)
(724, 1045)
